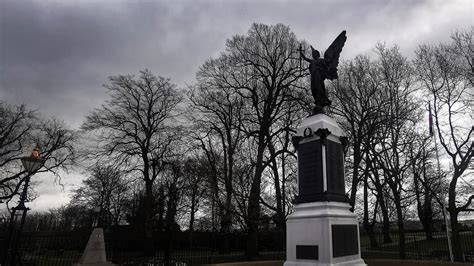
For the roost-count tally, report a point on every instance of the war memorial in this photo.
(322, 230)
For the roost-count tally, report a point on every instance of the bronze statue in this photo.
(323, 68)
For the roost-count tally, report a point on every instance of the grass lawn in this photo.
(417, 246)
(192, 257)
(66, 257)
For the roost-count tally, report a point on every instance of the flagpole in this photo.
(301, 51)
(443, 203)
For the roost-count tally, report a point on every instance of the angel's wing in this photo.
(332, 55)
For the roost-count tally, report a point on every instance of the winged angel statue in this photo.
(323, 68)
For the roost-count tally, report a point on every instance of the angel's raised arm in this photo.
(302, 54)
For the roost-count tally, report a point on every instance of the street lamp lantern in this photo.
(35, 153)
(32, 164)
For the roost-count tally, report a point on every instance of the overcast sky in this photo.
(55, 55)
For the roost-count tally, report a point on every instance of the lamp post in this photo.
(100, 222)
(32, 164)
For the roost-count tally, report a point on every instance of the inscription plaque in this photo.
(335, 167)
(310, 171)
(307, 252)
(344, 240)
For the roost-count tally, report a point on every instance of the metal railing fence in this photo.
(125, 247)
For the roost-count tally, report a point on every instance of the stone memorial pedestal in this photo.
(322, 230)
(94, 253)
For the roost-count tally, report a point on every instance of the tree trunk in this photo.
(282, 241)
(424, 209)
(367, 226)
(385, 218)
(191, 219)
(149, 246)
(428, 215)
(401, 228)
(226, 213)
(253, 219)
(279, 215)
(456, 237)
(355, 175)
(253, 209)
(170, 221)
(386, 222)
(226, 223)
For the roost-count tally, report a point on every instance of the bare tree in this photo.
(195, 172)
(446, 72)
(282, 162)
(268, 73)
(106, 189)
(134, 130)
(21, 130)
(427, 185)
(218, 121)
(264, 71)
(358, 102)
(66, 217)
(379, 190)
(173, 187)
(369, 226)
(401, 114)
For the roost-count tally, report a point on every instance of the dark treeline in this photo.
(217, 155)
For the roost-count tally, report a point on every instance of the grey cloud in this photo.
(55, 56)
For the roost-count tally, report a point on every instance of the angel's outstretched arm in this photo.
(303, 56)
